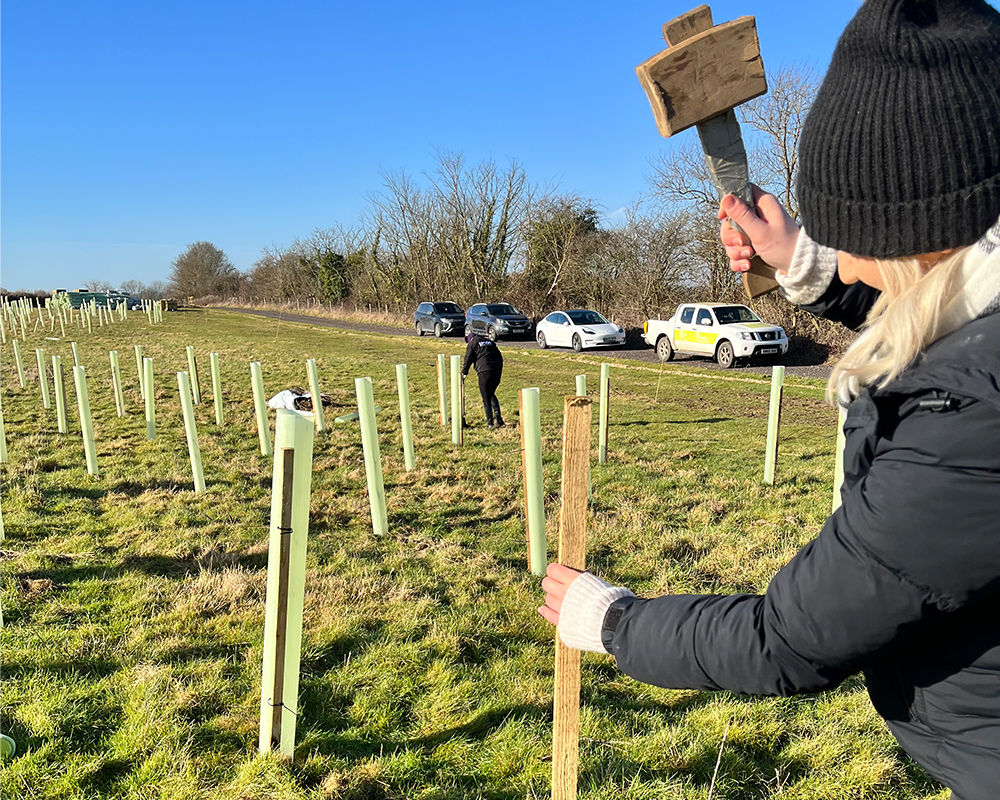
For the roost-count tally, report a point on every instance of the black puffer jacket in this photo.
(484, 353)
(903, 581)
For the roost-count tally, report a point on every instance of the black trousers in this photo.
(488, 383)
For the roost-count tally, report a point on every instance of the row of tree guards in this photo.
(20, 314)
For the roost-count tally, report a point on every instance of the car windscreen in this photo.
(447, 308)
(727, 315)
(498, 309)
(586, 318)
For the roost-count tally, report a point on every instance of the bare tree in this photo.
(201, 270)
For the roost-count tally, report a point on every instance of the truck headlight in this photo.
(747, 335)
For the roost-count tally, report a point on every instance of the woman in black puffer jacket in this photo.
(899, 193)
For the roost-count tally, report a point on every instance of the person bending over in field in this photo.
(488, 361)
(899, 193)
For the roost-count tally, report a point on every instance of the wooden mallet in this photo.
(697, 80)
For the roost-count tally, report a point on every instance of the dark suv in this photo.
(441, 319)
(494, 320)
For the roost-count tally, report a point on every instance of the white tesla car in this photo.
(578, 329)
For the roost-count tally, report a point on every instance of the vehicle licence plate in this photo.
(611, 338)
(767, 350)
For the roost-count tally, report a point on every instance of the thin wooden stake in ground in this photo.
(773, 424)
(442, 389)
(86, 419)
(286, 575)
(572, 553)
(191, 430)
(405, 421)
(534, 490)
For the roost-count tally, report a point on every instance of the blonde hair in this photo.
(906, 318)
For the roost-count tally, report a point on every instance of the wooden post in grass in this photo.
(405, 421)
(602, 422)
(116, 383)
(286, 576)
(76, 354)
(59, 388)
(191, 430)
(138, 369)
(373, 456)
(148, 393)
(572, 553)
(18, 361)
(581, 385)
(838, 469)
(456, 400)
(193, 373)
(773, 423)
(315, 395)
(86, 419)
(216, 388)
(442, 390)
(260, 408)
(43, 380)
(529, 404)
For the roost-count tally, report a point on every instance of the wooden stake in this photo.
(216, 388)
(773, 423)
(405, 421)
(86, 419)
(260, 408)
(60, 393)
(442, 390)
(191, 430)
(286, 568)
(572, 553)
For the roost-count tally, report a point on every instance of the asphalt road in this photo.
(635, 350)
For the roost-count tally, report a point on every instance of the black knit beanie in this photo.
(900, 152)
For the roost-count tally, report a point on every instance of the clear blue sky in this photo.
(131, 129)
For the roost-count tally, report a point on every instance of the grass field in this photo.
(134, 608)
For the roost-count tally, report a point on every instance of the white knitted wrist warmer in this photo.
(810, 272)
(582, 616)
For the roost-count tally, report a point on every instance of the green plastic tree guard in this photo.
(216, 388)
(534, 491)
(373, 456)
(18, 361)
(191, 430)
(59, 388)
(286, 576)
(43, 379)
(581, 385)
(76, 354)
(442, 389)
(116, 383)
(456, 400)
(603, 414)
(3, 437)
(193, 372)
(138, 369)
(315, 394)
(260, 408)
(838, 470)
(150, 397)
(86, 420)
(405, 421)
(773, 423)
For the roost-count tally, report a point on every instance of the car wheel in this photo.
(664, 350)
(541, 340)
(437, 330)
(420, 331)
(577, 343)
(725, 355)
(491, 333)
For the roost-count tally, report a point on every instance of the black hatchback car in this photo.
(441, 319)
(495, 320)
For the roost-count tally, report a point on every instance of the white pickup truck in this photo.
(723, 331)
